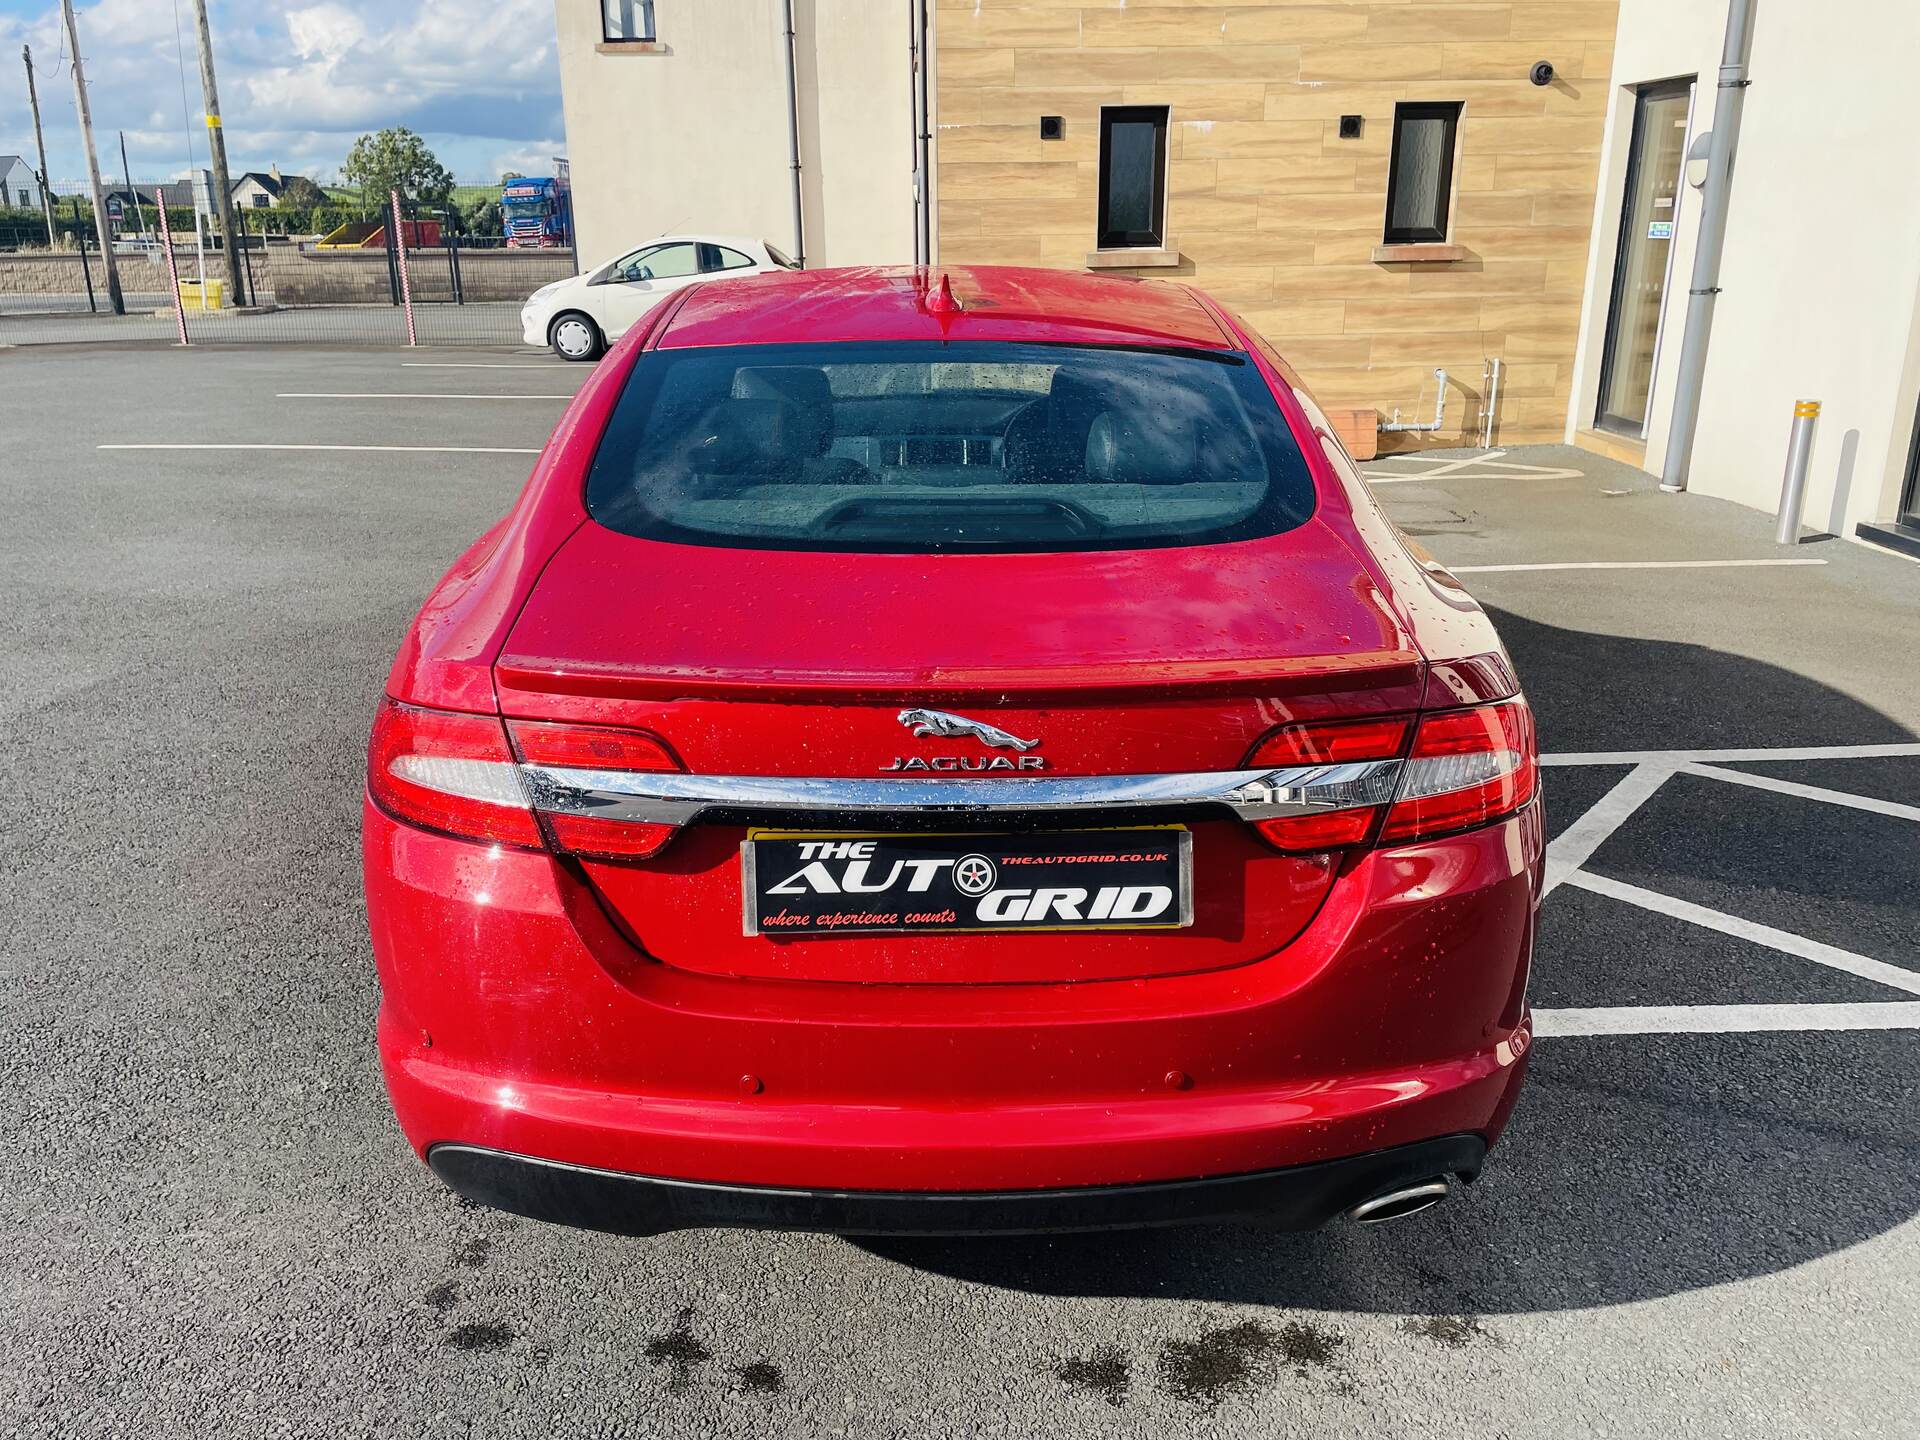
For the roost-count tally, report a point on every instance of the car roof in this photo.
(995, 302)
(738, 242)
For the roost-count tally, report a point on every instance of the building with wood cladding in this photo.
(1386, 189)
(1286, 129)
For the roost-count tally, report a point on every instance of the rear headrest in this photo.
(804, 387)
(743, 435)
(1071, 405)
(1047, 439)
(1142, 449)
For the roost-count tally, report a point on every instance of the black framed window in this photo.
(1420, 173)
(626, 19)
(1133, 177)
(721, 257)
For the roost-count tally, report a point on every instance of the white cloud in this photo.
(324, 32)
(299, 79)
(534, 159)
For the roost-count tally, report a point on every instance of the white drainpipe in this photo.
(1439, 410)
(1711, 240)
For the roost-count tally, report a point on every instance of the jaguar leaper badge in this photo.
(946, 725)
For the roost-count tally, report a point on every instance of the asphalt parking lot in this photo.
(1702, 1222)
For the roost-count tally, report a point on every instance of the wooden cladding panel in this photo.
(1269, 208)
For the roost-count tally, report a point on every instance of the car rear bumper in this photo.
(1298, 1197)
(517, 1020)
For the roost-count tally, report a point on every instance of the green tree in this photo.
(507, 177)
(297, 192)
(395, 159)
(481, 216)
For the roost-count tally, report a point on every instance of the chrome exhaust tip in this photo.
(1401, 1201)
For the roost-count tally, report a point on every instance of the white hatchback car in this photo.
(580, 316)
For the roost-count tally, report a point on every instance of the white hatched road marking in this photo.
(1575, 845)
(1832, 956)
(407, 449)
(1725, 1019)
(1804, 792)
(1630, 565)
(1487, 466)
(1449, 467)
(1578, 843)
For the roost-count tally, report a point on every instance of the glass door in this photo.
(1910, 491)
(1654, 160)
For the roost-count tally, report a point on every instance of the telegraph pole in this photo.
(100, 226)
(126, 173)
(33, 99)
(230, 236)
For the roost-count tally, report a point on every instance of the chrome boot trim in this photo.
(671, 798)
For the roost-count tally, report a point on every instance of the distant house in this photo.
(178, 193)
(18, 185)
(257, 191)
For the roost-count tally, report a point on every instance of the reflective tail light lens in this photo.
(1468, 768)
(460, 774)
(1464, 768)
(1334, 742)
(1355, 805)
(595, 748)
(449, 772)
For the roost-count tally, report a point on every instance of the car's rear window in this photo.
(921, 446)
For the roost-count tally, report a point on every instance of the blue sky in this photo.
(299, 79)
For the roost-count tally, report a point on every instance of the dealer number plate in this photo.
(801, 883)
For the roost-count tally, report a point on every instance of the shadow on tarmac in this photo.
(1635, 1167)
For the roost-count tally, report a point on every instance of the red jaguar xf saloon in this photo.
(950, 751)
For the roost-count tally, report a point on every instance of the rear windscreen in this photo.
(924, 446)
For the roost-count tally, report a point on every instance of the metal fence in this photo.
(433, 278)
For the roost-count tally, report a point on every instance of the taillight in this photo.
(458, 774)
(1464, 768)
(1333, 741)
(1353, 804)
(583, 750)
(1468, 768)
(448, 772)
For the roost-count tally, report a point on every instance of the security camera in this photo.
(1541, 73)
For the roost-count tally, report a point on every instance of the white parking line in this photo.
(472, 365)
(1448, 467)
(409, 449)
(1489, 463)
(1630, 565)
(1832, 956)
(1674, 759)
(405, 395)
(1804, 792)
(1575, 845)
(1725, 1019)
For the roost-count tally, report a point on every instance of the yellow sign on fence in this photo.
(190, 294)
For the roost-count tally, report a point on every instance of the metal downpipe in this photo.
(917, 91)
(793, 144)
(1704, 287)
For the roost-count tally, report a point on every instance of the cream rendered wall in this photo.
(856, 96)
(692, 135)
(1820, 281)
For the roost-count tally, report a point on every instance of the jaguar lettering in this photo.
(964, 763)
